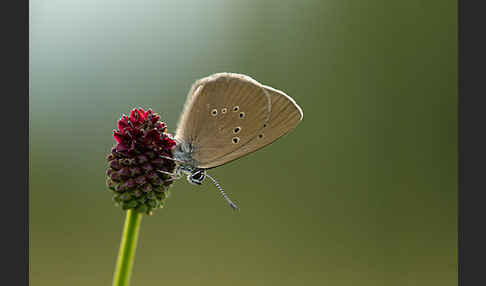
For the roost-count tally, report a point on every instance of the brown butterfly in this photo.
(227, 116)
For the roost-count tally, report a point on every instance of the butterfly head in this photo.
(196, 176)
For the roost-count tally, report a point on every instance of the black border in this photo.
(14, 210)
(472, 143)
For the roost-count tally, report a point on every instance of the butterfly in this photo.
(227, 116)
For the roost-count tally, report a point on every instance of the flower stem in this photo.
(128, 245)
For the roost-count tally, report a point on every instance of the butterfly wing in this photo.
(222, 112)
(285, 115)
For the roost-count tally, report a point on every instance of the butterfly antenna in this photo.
(225, 196)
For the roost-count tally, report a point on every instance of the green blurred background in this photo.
(362, 192)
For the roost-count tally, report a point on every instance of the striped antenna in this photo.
(225, 196)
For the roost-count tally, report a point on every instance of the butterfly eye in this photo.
(236, 140)
(224, 110)
(264, 125)
(260, 136)
(198, 176)
(214, 112)
(236, 108)
(242, 115)
(236, 130)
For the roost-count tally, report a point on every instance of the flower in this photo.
(136, 163)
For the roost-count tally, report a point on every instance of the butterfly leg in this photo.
(173, 176)
(172, 159)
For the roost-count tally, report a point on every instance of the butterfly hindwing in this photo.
(285, 114)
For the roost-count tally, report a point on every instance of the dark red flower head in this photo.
(136, 163)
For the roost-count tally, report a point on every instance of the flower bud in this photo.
(147, 188)
(135, 162)
(115, 164)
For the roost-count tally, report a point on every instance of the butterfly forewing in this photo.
(285, 114)
(223, 112)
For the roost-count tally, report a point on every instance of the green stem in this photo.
(128, 245)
